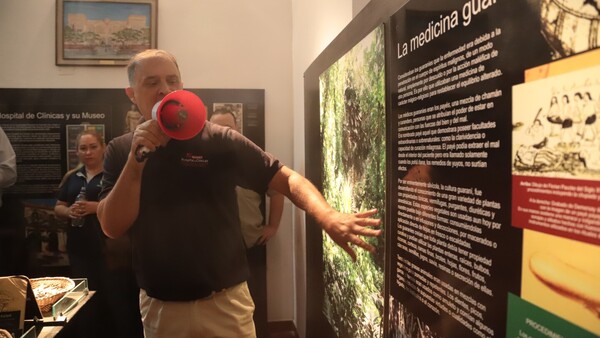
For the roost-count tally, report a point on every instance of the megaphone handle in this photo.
(141, 153)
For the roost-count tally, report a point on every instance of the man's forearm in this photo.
(120, 208)
(344, 229)
(302, 193)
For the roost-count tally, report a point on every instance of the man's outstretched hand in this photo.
(346, 229)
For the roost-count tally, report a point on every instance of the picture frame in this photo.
(103, 32)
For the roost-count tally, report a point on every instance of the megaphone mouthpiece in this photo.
(173, 115)
(181, 115)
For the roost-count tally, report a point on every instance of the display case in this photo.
(71, 299)
(62, 312)
(31, 333)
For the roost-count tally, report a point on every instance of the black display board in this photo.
(492, 196)
(42, 125)
(456, 253)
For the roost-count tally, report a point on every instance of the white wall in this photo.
(219, 44)
(358, 5)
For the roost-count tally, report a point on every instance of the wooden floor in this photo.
(284, 329)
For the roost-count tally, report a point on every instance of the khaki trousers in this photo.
(227, 313)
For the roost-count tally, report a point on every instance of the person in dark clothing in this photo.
(179, 208)
(85, 244)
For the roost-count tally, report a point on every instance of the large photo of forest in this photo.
(352, 129)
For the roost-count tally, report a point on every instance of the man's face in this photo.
(154, 78)
(224, 119)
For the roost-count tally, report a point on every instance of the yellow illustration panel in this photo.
(562, 276)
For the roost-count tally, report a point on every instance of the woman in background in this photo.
(85, 244)
(116, 309)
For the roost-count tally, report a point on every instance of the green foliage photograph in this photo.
(352, 129)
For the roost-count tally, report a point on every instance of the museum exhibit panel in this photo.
(489, 170)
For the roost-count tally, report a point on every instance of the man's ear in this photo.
(130, 94)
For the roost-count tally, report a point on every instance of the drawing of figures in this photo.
(597, 110)
(537, 133)
(577, 111)
(589, 113)
(554, 116)
(570, 124)
(561, 139)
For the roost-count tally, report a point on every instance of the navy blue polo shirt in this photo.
(89, 239)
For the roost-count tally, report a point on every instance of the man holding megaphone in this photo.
(172, 191)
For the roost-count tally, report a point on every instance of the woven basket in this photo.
(49, 290)
(5, 334)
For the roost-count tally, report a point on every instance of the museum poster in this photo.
(42, 126)
(496, 156)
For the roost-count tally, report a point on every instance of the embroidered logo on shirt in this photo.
(191, 160)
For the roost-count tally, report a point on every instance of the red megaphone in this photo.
(181, 115)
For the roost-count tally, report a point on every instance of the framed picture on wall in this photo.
(102, 32)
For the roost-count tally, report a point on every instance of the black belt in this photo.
(186, 296)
